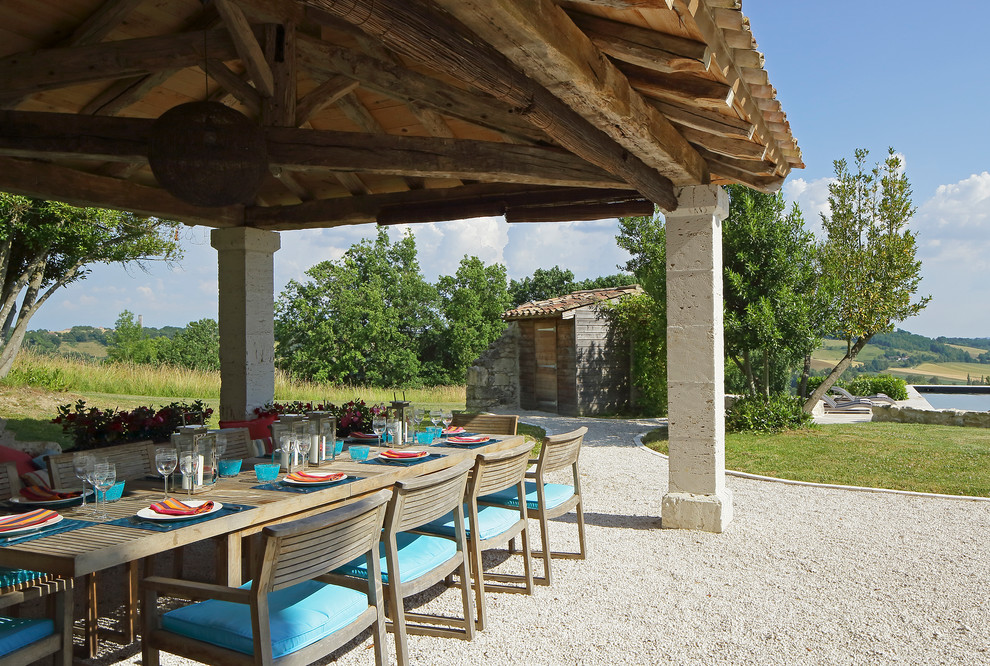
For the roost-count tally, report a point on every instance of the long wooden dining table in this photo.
(122, 540)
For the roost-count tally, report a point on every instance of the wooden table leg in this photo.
(228, 555)
(131, 606)
(91, 636)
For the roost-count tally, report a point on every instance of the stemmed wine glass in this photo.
(83, 465)
(300, 446)
(392, 429)
(104, 476)
(448, 418)
(189, 466)
(378, 426)
(165, 460)
(436, 416)
(418, 415)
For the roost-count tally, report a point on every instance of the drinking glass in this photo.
(378, 426)
(165, 460)
(83, 465)
(301, 446)
(436, 417)
(221, 445)
(392, 428)
(189, 466)
(448, 418)
(418, 416)
(104, 476)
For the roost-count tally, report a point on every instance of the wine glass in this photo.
(378, 426)
(166, 459)
(83, 464)
(189, 466)
(392, 429)
(104, 476)
(448, 418)
(221, 445)
(418, 415)
(301, 446)
(436, 417)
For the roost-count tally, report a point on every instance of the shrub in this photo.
(92, 428)
(894, 387)
(815, 382)
(352, 416)
(762, 414)
(52, 379)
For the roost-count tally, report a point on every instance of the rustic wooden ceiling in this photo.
(395, 111)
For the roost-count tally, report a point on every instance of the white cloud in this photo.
(812, 198)
(587, 248)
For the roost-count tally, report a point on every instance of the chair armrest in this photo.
(352, 582)
(174, 587)
(531, 475)
(533, 461)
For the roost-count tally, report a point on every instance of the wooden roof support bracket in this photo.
(434, 39)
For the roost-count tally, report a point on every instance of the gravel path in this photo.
(802, 575)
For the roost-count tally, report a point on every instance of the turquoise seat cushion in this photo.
(556, 494)
(10, 577)
(418, 554)
(299, 615)
(16, 632)
(492, 521)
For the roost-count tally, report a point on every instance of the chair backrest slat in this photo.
(239, 442)
(10, 483)
(492, 424)
(560, 451)
(497, 471)
(304, 549)
(418, 501)
(134, 460)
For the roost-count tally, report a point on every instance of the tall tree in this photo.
(870, 253)
(45, 245)
(130, 343)
(360, 319)
(769, 262)
(543, 284)
(197, 346)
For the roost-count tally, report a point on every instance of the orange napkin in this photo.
(174, 507)
(476, 439)
(44, 494)
(306, 477)
(453, 431)
(29, 519)
(404, 455)
(364, 435)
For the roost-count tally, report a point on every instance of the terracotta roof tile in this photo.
(577, 299)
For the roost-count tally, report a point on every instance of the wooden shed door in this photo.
(546, 367)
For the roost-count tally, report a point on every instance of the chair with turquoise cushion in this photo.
(290, 613)
(493, 527)
(26, 640)
(412, 562)
(549, 500)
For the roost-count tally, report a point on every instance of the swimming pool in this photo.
(969, 401)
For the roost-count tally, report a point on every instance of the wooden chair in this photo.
(490, 424)
(490, 526)
(25, 640)
(239, 443)
(548, 500)
(291, 614)
(415, 562)
(134, 460)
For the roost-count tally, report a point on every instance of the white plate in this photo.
(314, 483)
(33, 528)
(43, 503)
(148, 514)
(423, 454)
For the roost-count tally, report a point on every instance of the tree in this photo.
(358, 320)
(45, 245)
(472, 302)
(544, 284)
(197, 346)
(130, 343)
(769, 272)
(870, 253)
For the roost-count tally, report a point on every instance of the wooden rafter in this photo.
(323, 95)
(692, 90)
(247, 46)
(409, 28)
(232, 82)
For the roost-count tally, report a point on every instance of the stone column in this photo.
(246, 267)
(696, 496)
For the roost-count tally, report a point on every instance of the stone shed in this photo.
(557, 355)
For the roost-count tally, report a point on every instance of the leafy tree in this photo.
(769, 273)
(472, 302)
(358, 320)
(129, 343)
(543, 284)
(870, 252)
(605, 281)
(197, 346)
(45, 245)
(41, 342)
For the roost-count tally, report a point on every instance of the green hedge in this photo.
(893, 387)
(766, 414)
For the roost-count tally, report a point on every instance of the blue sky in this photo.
(868, 74)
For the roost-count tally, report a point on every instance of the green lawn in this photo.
(922, 458)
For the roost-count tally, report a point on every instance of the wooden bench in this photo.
(490, 424)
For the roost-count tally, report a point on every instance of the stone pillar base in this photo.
(709, 513)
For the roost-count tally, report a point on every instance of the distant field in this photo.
(952, 371)
(88, 347)
(972, 351)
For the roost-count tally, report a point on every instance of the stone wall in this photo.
(955, 417)
(493, 380)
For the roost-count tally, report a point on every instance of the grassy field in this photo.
(972, 351)
(921, 458)
(90, 347)
(949, 371)
(29, 407)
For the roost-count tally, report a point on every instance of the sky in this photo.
(850, 74)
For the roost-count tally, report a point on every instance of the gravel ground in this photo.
(802, 575)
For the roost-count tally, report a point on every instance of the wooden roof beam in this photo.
(248, 48)
(50, 181)
(437, 41)
(646, 48)
(705, 120)
(538, 37)
(322, 96)
(683, 88)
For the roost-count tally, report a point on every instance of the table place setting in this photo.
(307, 482)
(393, 457)
(172, 513)
(35, 524)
